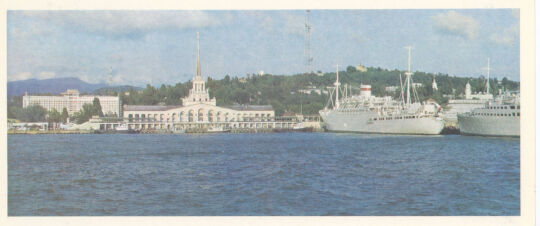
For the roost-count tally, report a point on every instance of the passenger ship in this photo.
(369, 114)
(499, 117)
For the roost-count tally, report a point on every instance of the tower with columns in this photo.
(434, 84)
(198, 93)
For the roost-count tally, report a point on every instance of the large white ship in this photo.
(499, 117)
(369, 114)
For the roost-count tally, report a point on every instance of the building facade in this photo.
(200, 115)
(198, 110)
(471, 101)
(476, 96)
(73, 102)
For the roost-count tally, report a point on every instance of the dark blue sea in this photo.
(301, 174)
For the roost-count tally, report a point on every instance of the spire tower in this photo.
(198, 56)
(198, 93)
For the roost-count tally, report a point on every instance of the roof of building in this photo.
(288, 113)
(148, 107)
(250, 107)
(431, 100)
(165, 108)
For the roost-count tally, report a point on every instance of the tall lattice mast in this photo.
(487, 82)
(408, 77)
(337, 87)
(307, 47)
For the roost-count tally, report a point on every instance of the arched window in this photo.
(191, 116)
(181, 116)
(201, 115)
(211, 115)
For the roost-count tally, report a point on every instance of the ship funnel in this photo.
(365, 90)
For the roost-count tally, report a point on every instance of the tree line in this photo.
(282, 91)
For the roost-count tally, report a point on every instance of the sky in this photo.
(160, 47)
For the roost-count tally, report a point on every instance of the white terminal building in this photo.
(73, 102)
(198, 110)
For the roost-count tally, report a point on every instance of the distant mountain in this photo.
(52, 86)
(111, 90)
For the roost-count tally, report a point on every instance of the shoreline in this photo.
(446, 131)
(260, 130)
(34, 132)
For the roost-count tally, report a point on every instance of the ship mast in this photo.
(337, 86)
(487, 83)
(401, 89)
(408, 78)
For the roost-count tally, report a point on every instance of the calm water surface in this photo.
(262, 174)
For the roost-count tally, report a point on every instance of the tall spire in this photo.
(198, 56)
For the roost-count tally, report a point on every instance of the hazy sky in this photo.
(160, 46)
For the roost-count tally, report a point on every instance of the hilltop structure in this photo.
(361, 68)
(434, 84)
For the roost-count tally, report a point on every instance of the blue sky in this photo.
(159, 47)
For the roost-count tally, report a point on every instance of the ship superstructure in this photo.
(499, 117)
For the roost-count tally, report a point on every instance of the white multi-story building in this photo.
(417, 85)
(310, 89)
(73, 102)
(391, 89)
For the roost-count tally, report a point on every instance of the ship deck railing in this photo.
(400, 117)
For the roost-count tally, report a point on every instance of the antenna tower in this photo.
(307, 47)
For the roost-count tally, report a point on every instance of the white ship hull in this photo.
(489, 126)
(360, 122)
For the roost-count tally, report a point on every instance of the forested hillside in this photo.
(281, 91)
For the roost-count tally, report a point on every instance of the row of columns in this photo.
(247, 125)
(201, 117)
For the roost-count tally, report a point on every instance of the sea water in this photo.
(301, 174)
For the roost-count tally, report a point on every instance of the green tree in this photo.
(87, 111)
(33, 113)
(351, 69)
(241, 96)
(54, 116)
(64, 115)
(96, 107)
